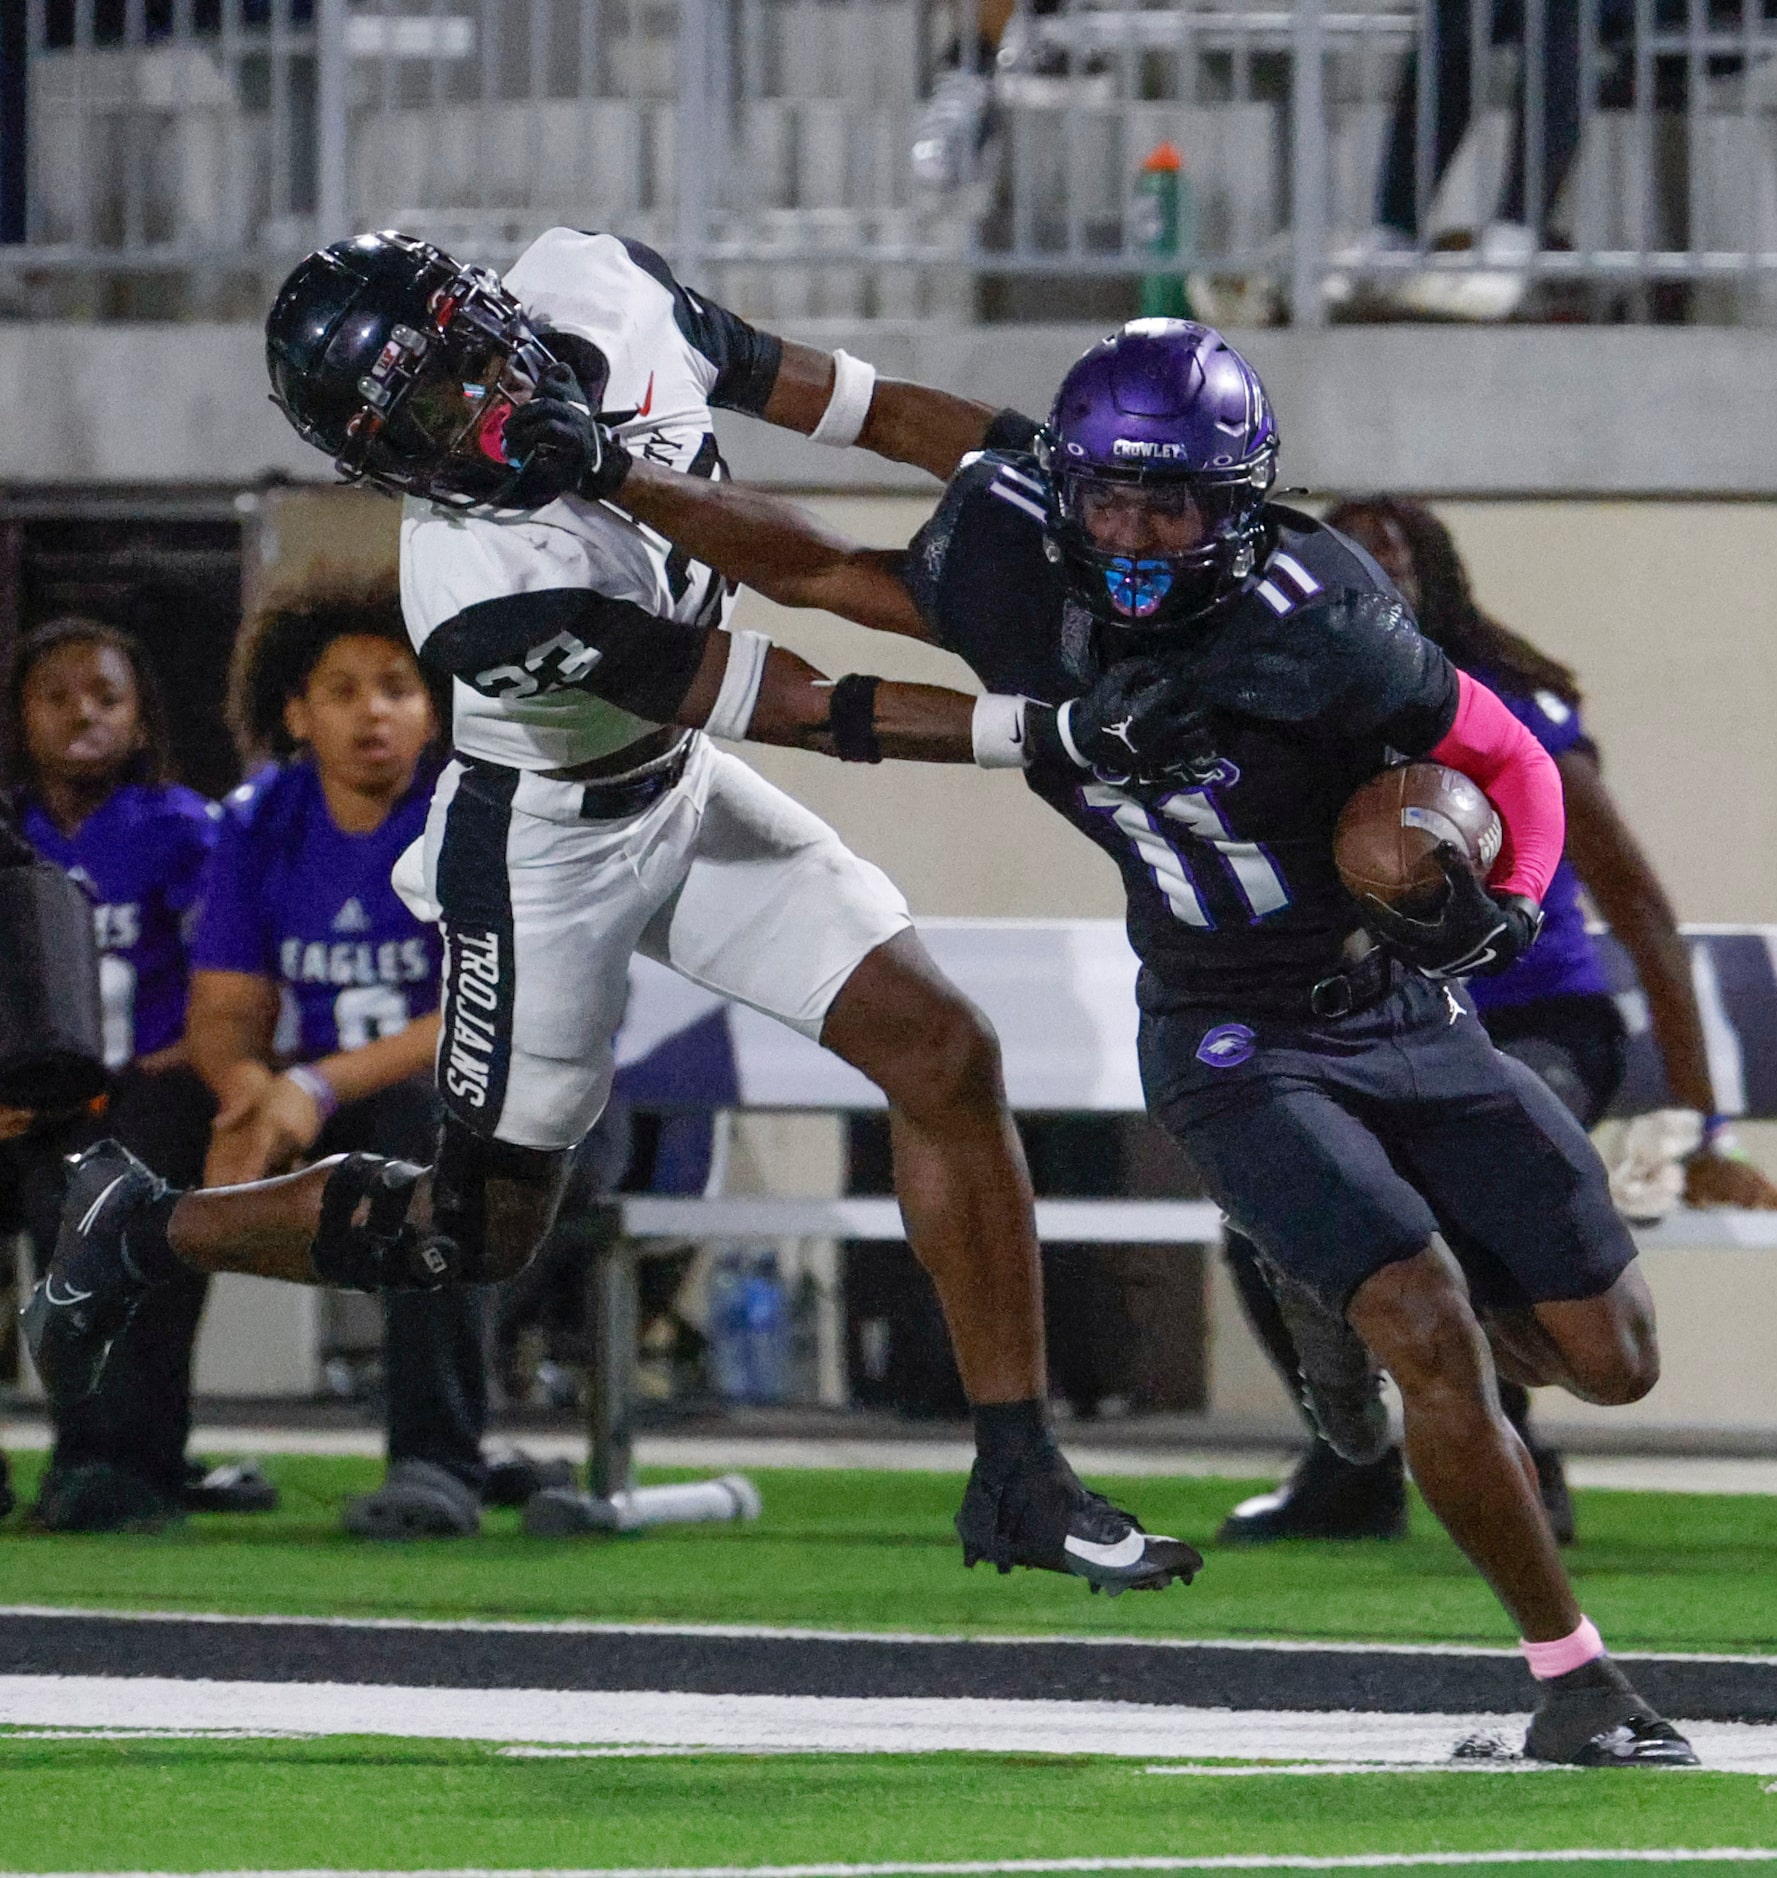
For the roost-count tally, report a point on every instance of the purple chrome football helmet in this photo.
(1160, 451)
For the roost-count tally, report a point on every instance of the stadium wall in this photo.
(1549, 410)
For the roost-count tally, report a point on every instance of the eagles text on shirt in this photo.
(141, 856)
(292, 898)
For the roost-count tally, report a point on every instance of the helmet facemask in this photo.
(1147, 548)
(436, 400)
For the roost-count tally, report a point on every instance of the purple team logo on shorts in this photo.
(1227, 1046)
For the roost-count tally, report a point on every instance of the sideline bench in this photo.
(1061, 994)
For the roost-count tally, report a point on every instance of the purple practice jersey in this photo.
(292, 898)
(141, 856)
(1564, 962)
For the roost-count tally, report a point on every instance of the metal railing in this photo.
(1582, 158)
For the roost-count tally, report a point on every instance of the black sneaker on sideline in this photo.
(87, 1295)
(513, 1476)
(230, 1487)
(1593, 1717)
(1042, 1516)
(98, 1496)
(1327, 1497)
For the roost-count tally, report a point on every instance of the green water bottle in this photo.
(1164, 222)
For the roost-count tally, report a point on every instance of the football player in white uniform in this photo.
(588, 815)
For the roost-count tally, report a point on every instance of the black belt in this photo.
(1355, 988)
(640, 789)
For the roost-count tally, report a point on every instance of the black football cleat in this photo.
(1042, 1517)
(90, 1291)
(1593, 1717)
(1327, 1497)
(1341, 1387)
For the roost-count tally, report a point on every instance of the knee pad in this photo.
(366, 1241)
(466, 1163)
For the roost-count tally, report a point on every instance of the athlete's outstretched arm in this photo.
(774, 547)
(830, 396)
(667, 671)
(824, 394)
(740, 685)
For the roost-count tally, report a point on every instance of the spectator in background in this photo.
(86, 733)
(315, 992)
(1504, 245)
(1553, 1009)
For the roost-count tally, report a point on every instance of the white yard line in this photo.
(1015, 1868)
(796, 1724)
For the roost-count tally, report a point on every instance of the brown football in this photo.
(1388, 833)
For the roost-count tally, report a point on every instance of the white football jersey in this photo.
(671, 355)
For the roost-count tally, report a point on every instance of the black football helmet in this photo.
(403, 365)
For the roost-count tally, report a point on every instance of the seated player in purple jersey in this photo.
(89, 786)
(314, 1006)
(1552, 1010)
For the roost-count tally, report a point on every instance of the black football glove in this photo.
(557, 447)
(1139, 723)
(1473, 933)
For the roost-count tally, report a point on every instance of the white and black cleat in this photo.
(1593, 1717)
(81, 1303)
(1039, 1515)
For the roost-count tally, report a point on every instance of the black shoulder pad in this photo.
(993, 502)
(1011, 430)
(1352, 662)
(746, 360)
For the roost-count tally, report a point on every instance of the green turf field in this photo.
(875, 1551)
(377, 1804)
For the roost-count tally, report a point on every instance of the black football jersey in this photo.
(1314, 678)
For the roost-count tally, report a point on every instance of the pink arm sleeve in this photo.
(1490, 746)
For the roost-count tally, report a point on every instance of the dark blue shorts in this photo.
(1341, 1145)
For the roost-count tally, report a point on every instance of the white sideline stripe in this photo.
(779, 1633)
(152, 1734)
(1626, 1473)
(797, 1724)
(968, 1868)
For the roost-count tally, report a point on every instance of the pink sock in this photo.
(1565, 1653)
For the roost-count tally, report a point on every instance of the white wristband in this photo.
(315, 1086)
(732, 711)
(997, 732)
(1065, 730)
(854, 385)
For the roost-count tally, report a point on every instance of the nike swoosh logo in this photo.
(92, 1212)
(615, 420)
(73, 1297)
(1129, 1550)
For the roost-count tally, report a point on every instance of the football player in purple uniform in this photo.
(1314, 1056)
(1552, 1009)
(314, 1002)
(91, 792)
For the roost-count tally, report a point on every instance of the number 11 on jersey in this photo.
(1149, 832)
